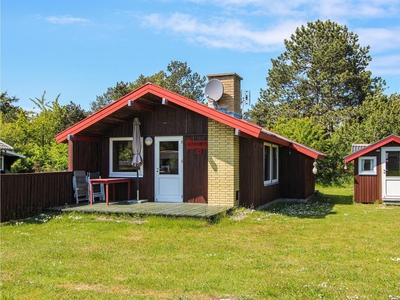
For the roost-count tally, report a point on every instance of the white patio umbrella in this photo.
(137, 160)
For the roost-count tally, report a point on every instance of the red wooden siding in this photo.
(195, 173)
(296, 177)
(85, 156)
(367, 188)
(164, 121)
(253, 193)
(309, 177)
(23, 195)
(295, 173)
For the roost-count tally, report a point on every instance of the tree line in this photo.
(321, 93)
(32, 133)
(318, 92)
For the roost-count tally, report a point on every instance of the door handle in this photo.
(157, 170)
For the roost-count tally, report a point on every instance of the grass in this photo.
(331, 249)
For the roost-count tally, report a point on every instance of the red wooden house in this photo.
(377, 171)
(192, 152)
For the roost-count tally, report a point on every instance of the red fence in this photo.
(23, 195)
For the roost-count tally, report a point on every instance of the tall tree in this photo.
(72, 113)
(178, 78)
(112, 94)
(157, 79)
(8, 109)
(322, 74)
(181, 80)
(377, 118)
(303, 131)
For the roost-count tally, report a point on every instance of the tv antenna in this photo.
(246, 99)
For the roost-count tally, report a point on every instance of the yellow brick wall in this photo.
(223, 164)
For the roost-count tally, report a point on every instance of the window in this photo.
(367, 165)
(1, 163)
(271, 163)
(121, 158)
(267, 164)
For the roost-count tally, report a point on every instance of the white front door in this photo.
(169, 169)
(391, 172)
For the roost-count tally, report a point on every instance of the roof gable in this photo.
(358, 147)
(4, 146)
(369, 148)
(6, 150)
(240, 125)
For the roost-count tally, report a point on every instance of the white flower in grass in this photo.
(324, 284)
(75, 217)
(395, 258)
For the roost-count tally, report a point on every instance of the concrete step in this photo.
(391, 201)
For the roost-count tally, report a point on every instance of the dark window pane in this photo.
(169, 155)
(267, 163)
(274, 163)
(122, 156)
(393, 163)
(367, 165)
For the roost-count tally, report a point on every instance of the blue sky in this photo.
(80, 48)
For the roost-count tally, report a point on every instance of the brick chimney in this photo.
(230, 100)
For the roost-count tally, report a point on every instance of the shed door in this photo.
(169, 169)
(391, 172)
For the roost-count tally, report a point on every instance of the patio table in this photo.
(107, 182)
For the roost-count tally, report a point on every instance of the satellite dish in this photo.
(214, 90)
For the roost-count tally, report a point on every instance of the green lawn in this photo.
(331, 249)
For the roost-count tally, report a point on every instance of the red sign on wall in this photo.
(191, 144)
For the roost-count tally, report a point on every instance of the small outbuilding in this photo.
(7, 157)
(192, 152)
(377, 171)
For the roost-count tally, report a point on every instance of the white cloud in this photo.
(223, 33)
(261, 26)
(313, 9)
(386, 65)
(380, 39)
(344, 10)
(65, 20)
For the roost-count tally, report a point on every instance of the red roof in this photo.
(381, 143)
(151, 90)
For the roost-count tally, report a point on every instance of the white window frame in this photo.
(122, 174)
(271, 160)
(1, 163)
(361, 160)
